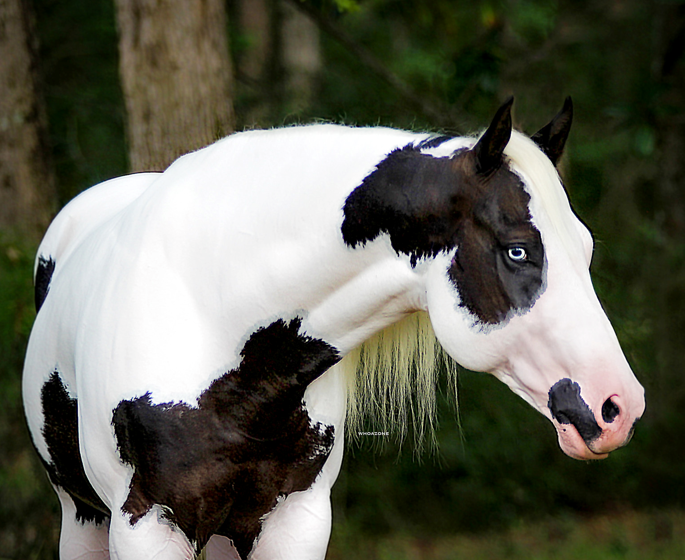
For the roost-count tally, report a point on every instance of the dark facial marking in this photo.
(43, 276)
(222, 465)
(490, 283)
(568, 407)
(408, 196)
(61, 437)
(428, 204)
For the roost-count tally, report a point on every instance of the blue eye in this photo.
(518, 254)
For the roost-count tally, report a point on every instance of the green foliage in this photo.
(499, 464)
(78, 58)
(347, 5)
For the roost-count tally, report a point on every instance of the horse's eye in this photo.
(518, 254)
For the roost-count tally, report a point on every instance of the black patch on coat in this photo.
(65, 468)
(43, 276)
(427, 205)
(220, 466)
(490, 284)
(407, 197)
(568, 407)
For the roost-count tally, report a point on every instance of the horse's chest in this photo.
(221, 466)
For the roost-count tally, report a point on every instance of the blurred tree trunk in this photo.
(282, 61)
(301, 55)
(176, 76)
(27, 184)
(254, 21)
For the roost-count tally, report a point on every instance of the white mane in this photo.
(392, 379)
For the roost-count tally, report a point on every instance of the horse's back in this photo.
(295, 170)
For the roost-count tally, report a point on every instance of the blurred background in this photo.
(92, 90)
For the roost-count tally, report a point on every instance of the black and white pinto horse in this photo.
(196, 347)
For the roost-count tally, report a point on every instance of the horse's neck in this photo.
(343, 295)
(383, 290)
(274, 236)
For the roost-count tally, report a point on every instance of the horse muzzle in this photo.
(582, 433)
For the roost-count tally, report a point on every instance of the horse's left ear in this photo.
(489, 150)
(552, 137)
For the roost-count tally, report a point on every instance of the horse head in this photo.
(510, 292)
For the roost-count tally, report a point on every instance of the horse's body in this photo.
(182, 376)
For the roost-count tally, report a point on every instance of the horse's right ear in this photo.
(551, 138)
(489, 150)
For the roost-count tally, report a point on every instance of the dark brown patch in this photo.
(428, 205)
(471, 201)
(65, 468)
(220, 466)
(415, 198)
(490, 284)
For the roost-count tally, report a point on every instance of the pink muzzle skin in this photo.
(582, 433)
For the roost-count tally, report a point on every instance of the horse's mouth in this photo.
(599, 447)
(575, 446)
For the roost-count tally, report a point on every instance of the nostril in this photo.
(610, 411)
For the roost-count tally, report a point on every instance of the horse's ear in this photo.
(490, 148)
(552, 137)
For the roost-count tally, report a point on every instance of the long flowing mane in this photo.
(392, 379)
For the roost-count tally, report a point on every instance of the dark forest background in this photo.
(443, 65)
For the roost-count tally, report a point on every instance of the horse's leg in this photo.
(299, 527)
(150, 538)
(81, 540)
(221, 548)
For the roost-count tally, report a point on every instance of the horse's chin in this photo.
(574, 446)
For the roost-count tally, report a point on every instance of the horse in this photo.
(203, 333)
